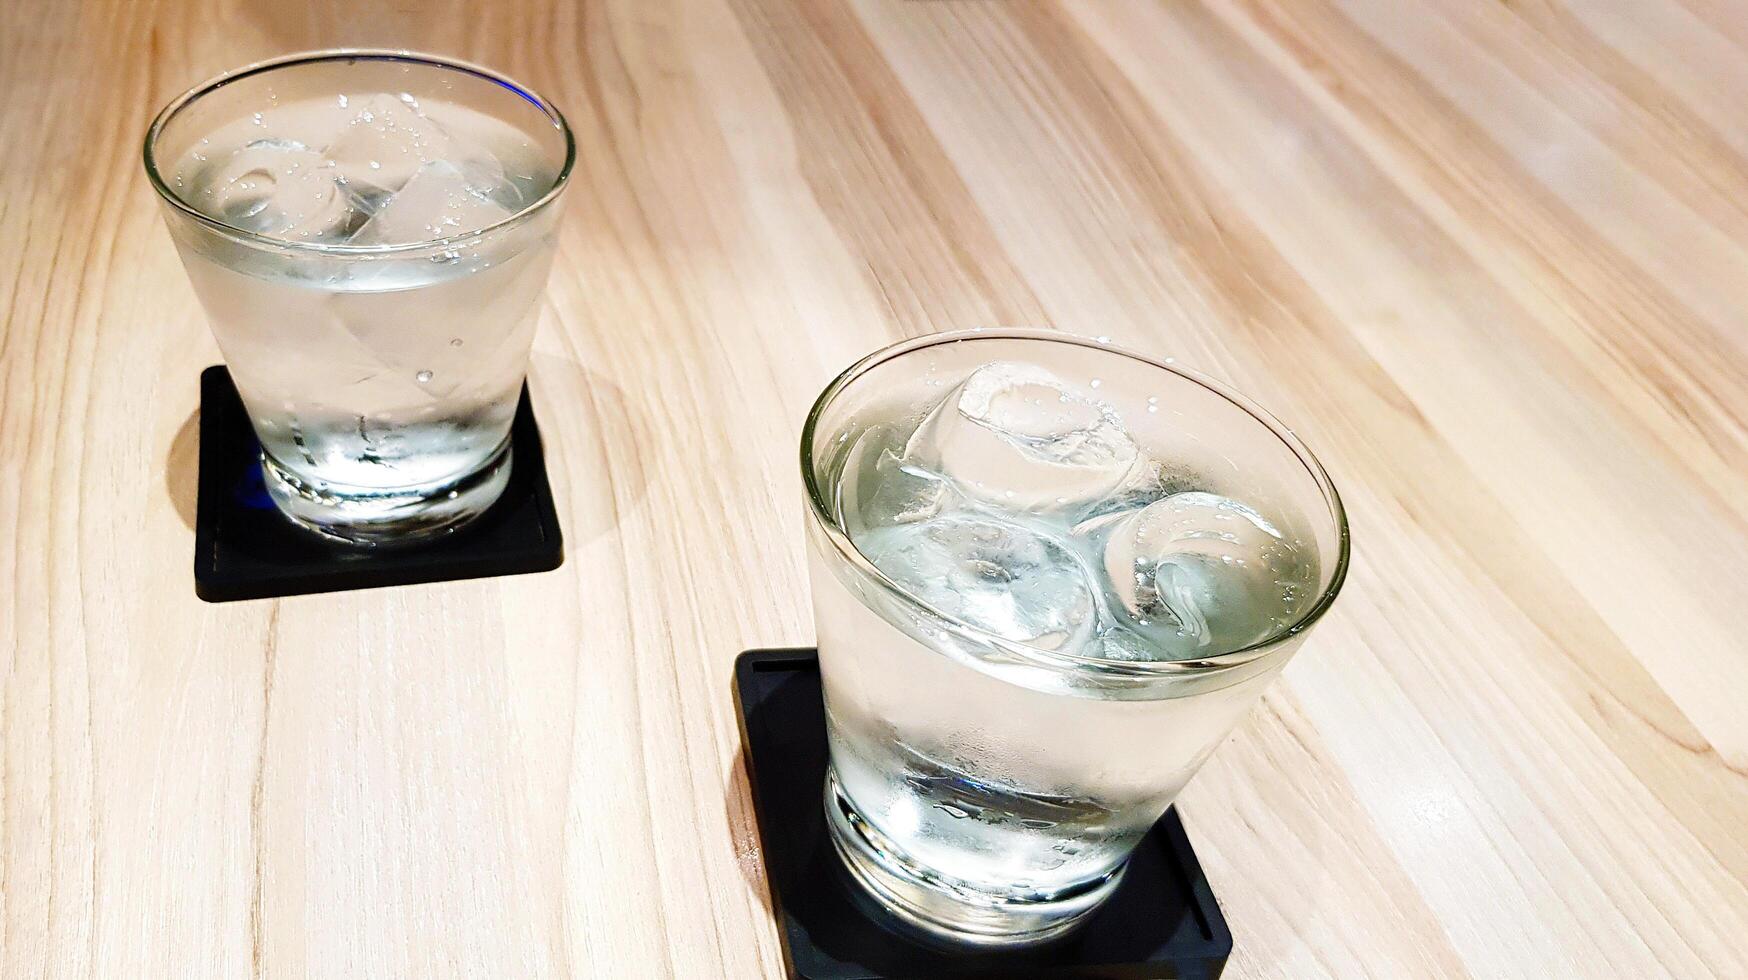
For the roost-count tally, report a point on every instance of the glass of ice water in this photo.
(1049, 577)
(370, 233)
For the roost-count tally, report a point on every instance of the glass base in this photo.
(377, 518)
(948, 909)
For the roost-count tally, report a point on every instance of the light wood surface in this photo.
(1490, 259)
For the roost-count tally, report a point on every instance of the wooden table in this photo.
(1491, 259)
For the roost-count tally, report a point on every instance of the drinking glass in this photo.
(988, 789)
(370, 234)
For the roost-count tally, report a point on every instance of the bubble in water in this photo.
(424, 377)
(455, 342)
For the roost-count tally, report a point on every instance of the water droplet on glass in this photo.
(1095, 382)
(258, 120)
(456, 342)
(342, 101)
(424, 377)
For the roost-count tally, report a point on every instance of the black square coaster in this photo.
(244, 548)
(1162, 921)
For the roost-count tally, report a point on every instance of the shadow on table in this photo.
(182, 468)
(743, 826)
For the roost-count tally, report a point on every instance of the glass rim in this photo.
(821, 510)
(189, 97)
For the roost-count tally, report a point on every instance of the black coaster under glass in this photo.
(244, 548)
(1162, 921)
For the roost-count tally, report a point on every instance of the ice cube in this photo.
(880, 489)
(280, 187)
(1000, 577)
(385, 143)
(435, 203)
(390, 138)
(1016, 435)
(906, 493)
(1196, 572)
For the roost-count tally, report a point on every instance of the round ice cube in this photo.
(1002, 578)
(1198, 572)
(1016, 435)
(279, 187)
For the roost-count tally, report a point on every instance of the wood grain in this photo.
(1491, 259)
